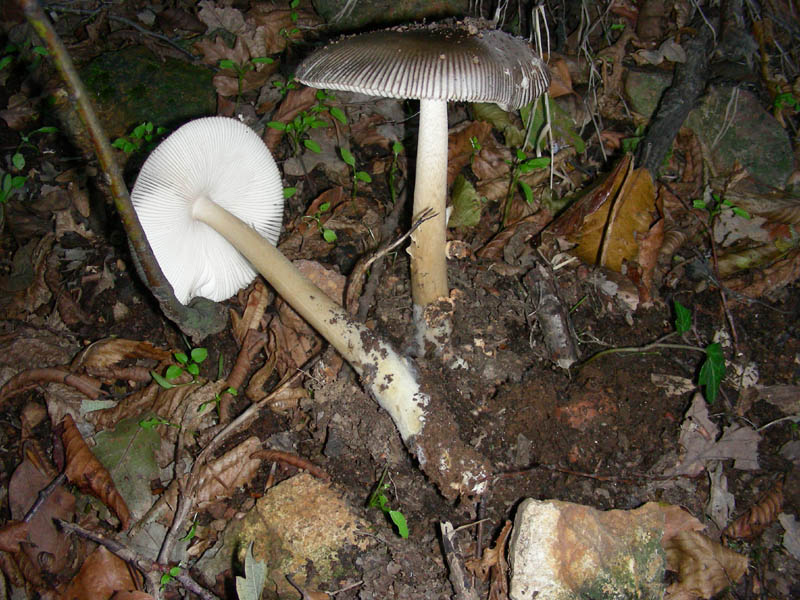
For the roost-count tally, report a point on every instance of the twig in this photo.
(463, 588)
(91, 13)
(203, 317)
(44, 494)
(252, 344)
(145, 566)
(30, 378)
(658, 344)
(293, 460)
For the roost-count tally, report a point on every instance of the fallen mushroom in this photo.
(434, 64)
(212, 187)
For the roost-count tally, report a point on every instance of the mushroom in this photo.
(210, 199)
(434, 64)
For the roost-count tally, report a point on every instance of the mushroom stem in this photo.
(389, 376)
(427, 249)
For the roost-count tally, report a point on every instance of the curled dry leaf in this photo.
(85, 471)
(462, 147)
(102, 574)
(131, 596)
(704, 567)
(759, 516)
(296, 101)
(257, 302)
(110, 352)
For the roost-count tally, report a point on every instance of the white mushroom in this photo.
(209, 199)
(434, 64)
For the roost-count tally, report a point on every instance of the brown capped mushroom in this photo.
(434, 64)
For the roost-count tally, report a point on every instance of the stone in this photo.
(565, 551)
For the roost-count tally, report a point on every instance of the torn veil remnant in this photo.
(210, 201)
(434, 64)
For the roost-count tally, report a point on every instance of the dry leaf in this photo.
(218, 50)
(461, 148)
(85, 471)
(110, 352)
(257, 302)
(759, 516)
(102, 574)
(704, 567)
(11, 534)
(235, 468)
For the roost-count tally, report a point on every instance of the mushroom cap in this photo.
(431, 62)
(225, 161)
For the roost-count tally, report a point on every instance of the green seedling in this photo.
(290, 32)
(329, 235)
(289, 192)
(717, 205)
(631, 143)
(242, 69)
(187, 364)
(217, 399)
(169, 575)
(9, 185)
(379, 500)
(476, 148)
(154, 422)
(297, 131)
(521, 165)
(712, 371)
(191, 533)
(141, 137)
(394, 170)
(786, 100)
(362, 176)
(285, 88)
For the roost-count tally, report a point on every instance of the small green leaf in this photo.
(338, 114)
(18, 160)
(199, 354)
(191, 533)
(289, 192)
(164, 383)
(294, 3)
(683, 318)
(520, 154)
(41, 51)
(533, 164)
(181, 357)
(312, 145)
(700, 204)
(317, 123)
(740, 212)
(173, 372)
(18, 181)
(397, 148)
(193, 369)
(712, 372)
(263, 60)
(227, 64)
(5, 61)
(363, 176)
(400, 522)
(526, 191)
(329, 235)
(46, 129)
(324, 207)
(277, 125)
(347, 156)
(152, 423)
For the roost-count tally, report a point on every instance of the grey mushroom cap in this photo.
(431, 62)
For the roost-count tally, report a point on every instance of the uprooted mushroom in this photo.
(210, 201)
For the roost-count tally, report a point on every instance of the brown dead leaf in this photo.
(102, 574)
(218, 50)
(85, 471)
(25, 289)
(171, 19)
(560, 78)
(270, 19)
(365, 131)
(219, 16)
(46, 545)
(131, 596)
(460, 148)
(491, 163)
(235, 468)
(704, 567)
(110, 352)
(677, 520)
(759, 516)
(20, 113)
(524, 230)
(759, 282)
(11, 534)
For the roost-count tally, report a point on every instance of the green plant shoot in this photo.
(379, 500)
